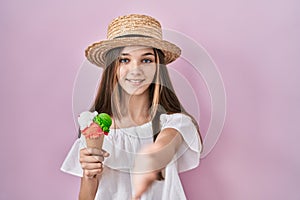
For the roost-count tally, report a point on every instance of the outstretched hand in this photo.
(141, 182)
(145, 170)
(153, 159)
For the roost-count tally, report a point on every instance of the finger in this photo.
(92, 166)
(92, 173)
(86, 152)
(135, 198)
(139, 191)
(91, 159)
(90, 151)
(140, 188)
(94, 151)
(142, 182)
(105, 154)
(86, 157)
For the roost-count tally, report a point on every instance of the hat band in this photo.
(132, 35)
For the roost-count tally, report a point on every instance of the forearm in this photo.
(157, 155)
(91, 162)
(88, 188)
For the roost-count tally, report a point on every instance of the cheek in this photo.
(122, 72)
(150, 71)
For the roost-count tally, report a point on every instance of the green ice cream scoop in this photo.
(104, 121)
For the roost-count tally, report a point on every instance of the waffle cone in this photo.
(95, 142)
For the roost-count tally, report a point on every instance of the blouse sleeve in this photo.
(188, 154)
(71, 163)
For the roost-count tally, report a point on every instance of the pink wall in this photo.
(255, 45)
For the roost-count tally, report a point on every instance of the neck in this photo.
(137, 111)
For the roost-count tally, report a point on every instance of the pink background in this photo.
(254, 43)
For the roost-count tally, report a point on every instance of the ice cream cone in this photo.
(94, 127)
(95, 142)
(94, 136)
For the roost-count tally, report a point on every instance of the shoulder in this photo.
(177, 119)
(181, 122)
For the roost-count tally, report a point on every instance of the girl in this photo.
(152, 138)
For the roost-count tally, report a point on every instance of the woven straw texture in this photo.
(132, 30)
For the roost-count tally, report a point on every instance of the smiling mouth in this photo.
(135, 81)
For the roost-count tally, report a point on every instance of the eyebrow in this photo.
(145, 54)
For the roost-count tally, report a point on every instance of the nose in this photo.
(135, 70)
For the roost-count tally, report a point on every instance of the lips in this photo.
(135, 81)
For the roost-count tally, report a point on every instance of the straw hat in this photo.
(131, 30)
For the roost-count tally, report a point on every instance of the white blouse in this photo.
(123, 144)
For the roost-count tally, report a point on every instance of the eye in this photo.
(123, 60)
(146, 60)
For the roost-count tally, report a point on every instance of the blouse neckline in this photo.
(132, 127)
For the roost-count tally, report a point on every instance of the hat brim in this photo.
(96, 52)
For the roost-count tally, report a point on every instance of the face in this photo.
(137, 68)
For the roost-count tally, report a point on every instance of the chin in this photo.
(138, 91)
